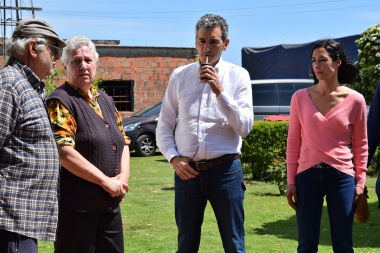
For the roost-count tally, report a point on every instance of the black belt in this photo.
(208, 164)
(322, 166)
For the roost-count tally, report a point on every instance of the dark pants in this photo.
(339, 189)
(224, 187)
(80, 232)
(377, 189)
(15, 243)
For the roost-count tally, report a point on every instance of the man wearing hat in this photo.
(29, 160)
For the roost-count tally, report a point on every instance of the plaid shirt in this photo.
(29, 160)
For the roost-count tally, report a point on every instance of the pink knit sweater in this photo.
(314, 138)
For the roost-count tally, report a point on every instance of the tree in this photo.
(51, 82)
(369, 62)
(369, 75)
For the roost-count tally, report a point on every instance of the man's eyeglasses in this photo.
(56, 51)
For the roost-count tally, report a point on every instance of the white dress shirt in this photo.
(205, 126)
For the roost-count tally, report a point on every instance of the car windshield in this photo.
(148, 111)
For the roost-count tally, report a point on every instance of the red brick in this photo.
(139, 82)
(165, 71)
(154, 64)
(135, 64)
(173, 64)
(151, 82)
(144, 63)
(112, 58)
(108, 77)
(119, 70)
(126, 77)
(116, 76)
(163, 64)
(117, 64)
(145, 76)
(130, 70)
(106, 63)
(146, 101)
(135, 76)
(126, 64)
(149, 70)
(154, 76)
(157, 58)
(138, 70)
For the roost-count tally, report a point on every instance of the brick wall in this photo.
(150, 75)
(149, 67)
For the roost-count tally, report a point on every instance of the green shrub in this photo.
(369, 62)
(263, 152)
(368, 76)
(51, 82)
(373, 169)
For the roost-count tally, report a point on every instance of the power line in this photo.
(9, 9)
(236, 9)
(238, 15)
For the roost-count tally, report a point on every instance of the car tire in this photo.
(145, 146)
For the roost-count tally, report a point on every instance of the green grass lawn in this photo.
(270, 224)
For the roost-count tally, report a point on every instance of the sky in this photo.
(168, 23)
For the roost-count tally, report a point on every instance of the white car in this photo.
(272, 96)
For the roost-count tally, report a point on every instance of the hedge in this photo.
(263, 152)
(264, 158)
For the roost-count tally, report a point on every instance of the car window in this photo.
(148, 111)
(286, 90)
(264, 95)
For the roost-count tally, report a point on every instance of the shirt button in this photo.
(116, 171)
(109, 208)
(107, 126)
(113, 148)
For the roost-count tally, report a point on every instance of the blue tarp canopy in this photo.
(288, 60)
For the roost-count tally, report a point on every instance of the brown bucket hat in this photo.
(37, 28)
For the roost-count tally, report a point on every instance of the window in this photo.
(121, 93)
(286, 91)
(264, 94)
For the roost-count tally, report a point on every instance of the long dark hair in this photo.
(346, 71)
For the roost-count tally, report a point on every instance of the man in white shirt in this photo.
(205, 112)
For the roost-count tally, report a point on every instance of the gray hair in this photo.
(73, 43)
(210, 21)
(16, 47)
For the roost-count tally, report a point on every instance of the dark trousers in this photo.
(223, 187)
(15, 243)
(80, 232)
(339, 188)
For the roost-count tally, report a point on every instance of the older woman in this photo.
(94, 155)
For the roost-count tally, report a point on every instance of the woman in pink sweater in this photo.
(324, 119)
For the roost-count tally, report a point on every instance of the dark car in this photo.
(141, 129)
